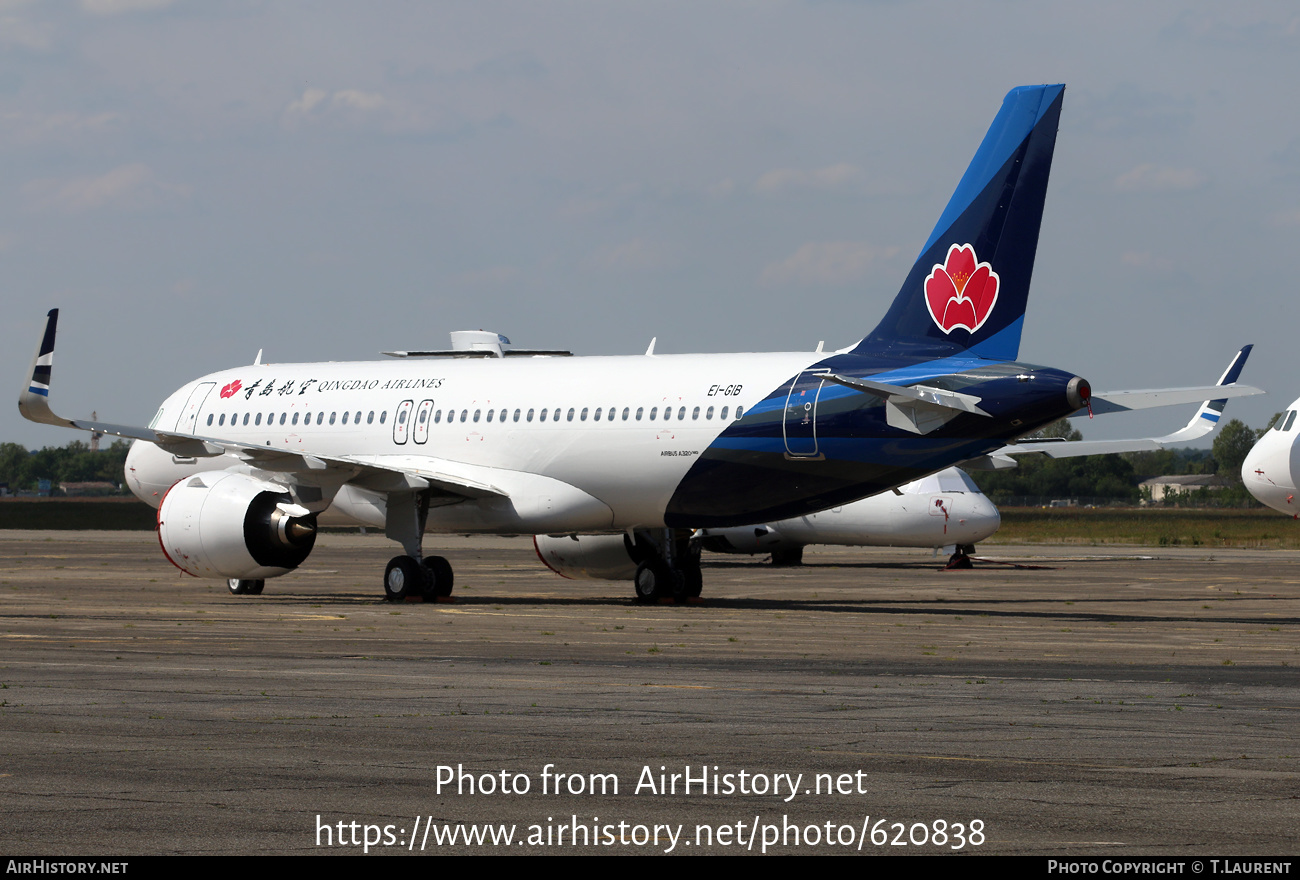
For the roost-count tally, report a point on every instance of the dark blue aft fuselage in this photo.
(813, 444)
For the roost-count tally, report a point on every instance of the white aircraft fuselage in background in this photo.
(1272, 467)
(943, 510)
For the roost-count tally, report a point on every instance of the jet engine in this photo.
(231, 525)
(596, 557)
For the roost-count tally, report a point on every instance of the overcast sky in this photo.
(190, 182)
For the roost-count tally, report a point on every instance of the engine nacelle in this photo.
(220, 524)
(597, 557)
(745, 539)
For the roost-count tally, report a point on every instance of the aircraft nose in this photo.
(1266, 473)
(985, 517)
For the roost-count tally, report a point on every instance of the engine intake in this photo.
(227, 525)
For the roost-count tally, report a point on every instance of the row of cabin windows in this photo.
(611, 414)
(256, 418)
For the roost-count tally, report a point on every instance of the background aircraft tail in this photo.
(968, 289)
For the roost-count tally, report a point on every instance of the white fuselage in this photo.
(592, 443)
(1272, 467)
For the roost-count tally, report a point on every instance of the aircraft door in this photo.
(801, 415)
(188, 420)
(422, 415)
(400, 420)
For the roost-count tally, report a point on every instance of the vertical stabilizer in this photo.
(968, 289)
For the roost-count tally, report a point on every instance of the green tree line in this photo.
(22, 468)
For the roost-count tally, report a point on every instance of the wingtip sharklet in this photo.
(33, 401)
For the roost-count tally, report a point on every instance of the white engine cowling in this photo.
(598, 557)
(746, 539)
(220, 524)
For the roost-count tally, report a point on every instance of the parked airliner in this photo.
(242, 463)
(1271, 468)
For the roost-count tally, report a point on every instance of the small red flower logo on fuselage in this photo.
(961, 292)
(232, 389)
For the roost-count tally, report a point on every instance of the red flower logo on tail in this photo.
(232, 389)
(961, 292)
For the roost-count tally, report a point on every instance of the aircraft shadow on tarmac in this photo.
(965, 606)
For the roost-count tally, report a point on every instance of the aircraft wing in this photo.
(382, 473)
(1202, 423)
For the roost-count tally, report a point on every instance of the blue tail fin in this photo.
(967, 291)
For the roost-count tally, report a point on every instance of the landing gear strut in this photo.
(413, 575)
(668, 565)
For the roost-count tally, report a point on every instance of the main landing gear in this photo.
(244, 587)
(413, 575)
(429, 577)
(668, 565)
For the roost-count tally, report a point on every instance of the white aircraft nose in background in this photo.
(1270, 469)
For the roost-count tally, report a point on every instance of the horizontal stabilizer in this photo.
(919, 409)
(1124, 401)
(1202, 423)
